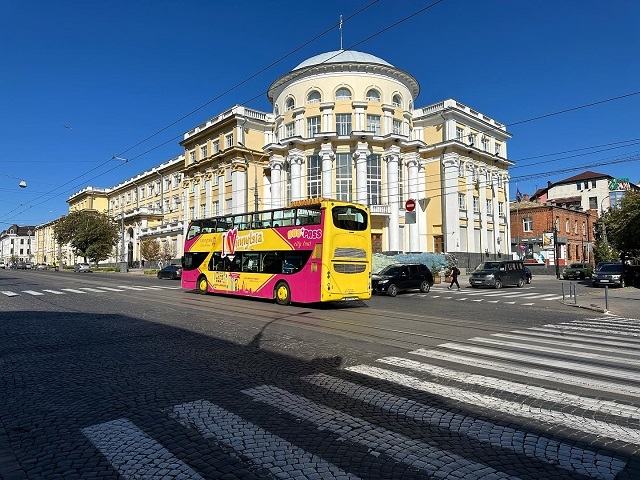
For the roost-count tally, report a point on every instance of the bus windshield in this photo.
(349, 218)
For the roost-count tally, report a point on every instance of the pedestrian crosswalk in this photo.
(84, 290)
(507, 296)
(555, 401)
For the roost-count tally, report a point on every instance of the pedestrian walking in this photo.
(455, 271)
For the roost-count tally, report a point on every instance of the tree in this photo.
(167, 251)
(150, 249)
(603, 251)
(91, 235)
(623, 224)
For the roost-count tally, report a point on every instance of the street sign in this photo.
(410, 205)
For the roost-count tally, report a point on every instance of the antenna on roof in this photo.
(340, 32)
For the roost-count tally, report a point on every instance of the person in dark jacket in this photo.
(454, 277)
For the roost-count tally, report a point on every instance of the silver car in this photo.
(82, 267)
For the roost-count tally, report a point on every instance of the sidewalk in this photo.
(618, 301)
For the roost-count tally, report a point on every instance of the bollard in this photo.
(563, 297)
(575, 294)
(606, 297)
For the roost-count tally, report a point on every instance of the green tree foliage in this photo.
(623, 224)
(91, 235)
(150, 249)
(603, 251)
(167, 251)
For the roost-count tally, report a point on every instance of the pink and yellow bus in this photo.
(315, 250)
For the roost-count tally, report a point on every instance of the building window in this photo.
(314, 176)
(461, 170)
(476, 204)
(192, 157)
(313, 126)
(216, 208)
(343, 176)
(374, 180)
(175, 202)
(203, 211)
(373, 124)
(472, 139)
(397, 101)
(142, 192)
(289, 104)
(593, 184)
(500, 181)
(579, 186)
(397, 127)
(584, 228)
(289, 130)
(460, 134)
(373, 95)
(343, 123)
(593, 203)
(216, 146)
(167, 183)
(498, 147)
(489, 207)
(228, 206)
(575, 227)
(343, 94)
(228, 140)
(192, 212)
(485, 143)
(474, 173)
(193, 187)
(527, 224)
(313, 97)
(462, 201)
(203, 152)
(501, 209)
(128, 197)
(150, 190)
(176, 180)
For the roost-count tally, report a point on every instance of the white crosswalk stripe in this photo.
(72, 290)
(84, 290)
(9, 293)
(89, 289)
(509, 297)
(215, 422)
(55, 292)
(32, 292)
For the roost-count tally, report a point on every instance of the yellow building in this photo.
(344, 126)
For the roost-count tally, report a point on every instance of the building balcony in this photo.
(379, 210)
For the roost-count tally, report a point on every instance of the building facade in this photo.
(16, 244)
(344, 126)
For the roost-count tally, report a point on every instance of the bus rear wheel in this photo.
(201, 286)
(283, 294)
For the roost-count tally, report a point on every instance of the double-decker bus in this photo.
(314, 250)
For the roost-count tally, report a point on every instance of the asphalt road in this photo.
(122, 376)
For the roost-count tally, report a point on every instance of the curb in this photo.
(595, 308)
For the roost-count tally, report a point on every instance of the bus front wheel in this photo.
(283, 294)
(202, 284)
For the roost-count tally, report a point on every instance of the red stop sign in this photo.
(410, 205)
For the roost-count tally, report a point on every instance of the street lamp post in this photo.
(604, 226)
(255, 175)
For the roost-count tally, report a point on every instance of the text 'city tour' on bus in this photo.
(314, 250)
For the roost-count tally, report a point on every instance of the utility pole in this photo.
(555, 247)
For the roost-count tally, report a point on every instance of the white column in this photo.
(299, 125)
(451, 222)
(392, 156)
(494, 217)
(470, 191)
(421, 207)
(506, 248)
(196, 197)
(482, 183)
(276, 163)
(327, 155)
(238, 185)
(296, 159)
(207, 194)
(387, 119)
(221, 203)
(411, 160)
(360, 156)
(185, 210)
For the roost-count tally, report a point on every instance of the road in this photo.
(121, 376)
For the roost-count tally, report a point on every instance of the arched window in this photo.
(397, 101)
(373, 95)
(313, 97)
(343, 94)
(289, 104)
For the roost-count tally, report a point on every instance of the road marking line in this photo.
(399, 447)
(72, 290)
(588, 462)
(253, 442)
(134, 454)
(540, 360)
(127, 287)
(585, 335)
(32, 292)
(527, 304)
(55, 292)
(542, 393)
(557, 297)
(9, 293)
(595, 330)
(585, 346)
(89, 289)
(624, 328)
(548, 375)
(595, 427)
(112, 289)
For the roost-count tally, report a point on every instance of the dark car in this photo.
(577, 270)
(497, 274)
(609, 274)
(173, 272)
(402, 276)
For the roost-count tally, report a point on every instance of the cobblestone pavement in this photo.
(105, 396)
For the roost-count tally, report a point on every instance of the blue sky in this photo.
(118, 72)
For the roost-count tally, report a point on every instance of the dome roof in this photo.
(342, 56)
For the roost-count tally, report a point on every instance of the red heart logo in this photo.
(229, 243)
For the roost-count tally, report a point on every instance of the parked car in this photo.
(400, 277)
(41, 266)
(28, 265)
(2, 265)
(82, 267)
(577, 270)
(609, 274)
(497, 274)
(528, 275)
(173, 272)
(20, 266)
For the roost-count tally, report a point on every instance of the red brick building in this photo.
(532, 232)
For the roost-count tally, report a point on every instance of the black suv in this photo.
(402, 276)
